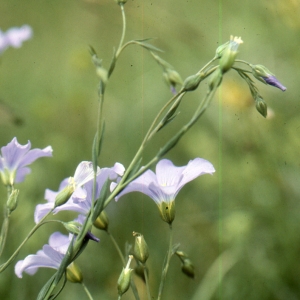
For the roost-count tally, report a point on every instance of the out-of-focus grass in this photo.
(250, 207)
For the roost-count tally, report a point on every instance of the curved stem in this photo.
(203, 68)
(243, 62)
(33, 230)
(165, 270)
(87, 291)
(123, 30)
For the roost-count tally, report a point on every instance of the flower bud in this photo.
(261, 106)
(72, 226)
(188, 268)
(172, 78)
(229, 53)
(220, 50)
(74, 274)
(192, 82)
(12, 201)
(102, 221)
(139, 271)
(64, 195)
(125, 277)
(167, 211)
(263, 74)
(140, 248)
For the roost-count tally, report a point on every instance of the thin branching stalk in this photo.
(166, 267)
(87, 291)
(33, 230)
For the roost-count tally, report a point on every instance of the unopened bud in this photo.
(72, 226)
(12, 201)
(192, 82)
(140, 249)
(74, 274)
(124, 279)
(188, 268)
(264, 75)
(64, 195)
(139, 271)
(102, 221)
(167, 211)
(261, 106)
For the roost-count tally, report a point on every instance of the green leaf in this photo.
(45, 288)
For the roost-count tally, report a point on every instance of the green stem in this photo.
(117, 248)
(165, 270)
(203, 68)
(123, 31)
(147, 283)
(33, 230)
(87, 291)
(243, 62)
(4, 230)
(5, 224)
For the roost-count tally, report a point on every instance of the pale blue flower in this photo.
(168, 180)
(50, 256)
(81, 199)
(14, 159)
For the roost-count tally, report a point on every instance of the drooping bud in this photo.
(12, 201)
(140, 248)
(261, 106)
(264, 75)
(74, 274)
(188, 268)
(125, 277)
(229, 53)
(102, 221)
(167, 211)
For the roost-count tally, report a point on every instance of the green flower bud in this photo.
(64, 195)
(124, 279)
(172, 77)
(228, 55)
(167, 211)
(12, 201)
(261, 106)
(74, 274)
(102, 221)
(72, 227)
(139, 271)
(220, 50)
(188, 268)
(192, 82)
(140, 248)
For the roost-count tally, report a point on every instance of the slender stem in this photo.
(203, 68)
(243, 62)
(123, 30)
(120, 296)
(4, 230)
(5, 224)
(117, 248)
(165, 270)
(87, 291)
(147, 282)
(33, 230)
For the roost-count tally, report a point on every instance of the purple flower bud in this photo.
(272, 80)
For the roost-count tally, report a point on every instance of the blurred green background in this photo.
(249, 208)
